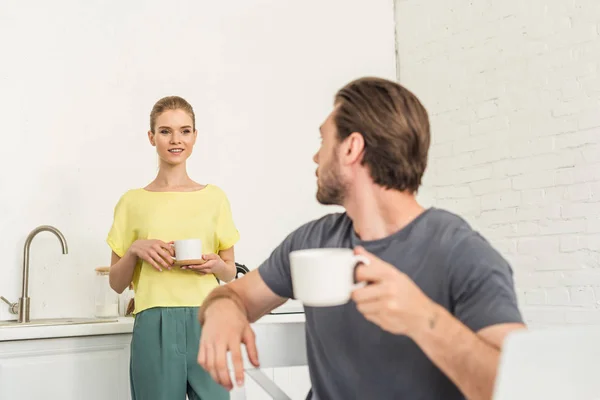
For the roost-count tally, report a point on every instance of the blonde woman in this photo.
(147, 220)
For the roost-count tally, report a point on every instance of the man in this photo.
(440, 299)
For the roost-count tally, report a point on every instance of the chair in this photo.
(240, 269)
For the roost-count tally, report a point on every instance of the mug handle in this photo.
(359, 259)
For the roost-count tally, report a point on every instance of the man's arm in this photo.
(257, 293)
(469, 359)
(227, 312)
(225, 317)
(485, 312)
(250, 294)
(396, 304)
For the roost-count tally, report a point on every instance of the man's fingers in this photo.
(238, 363)
(375, 264)
(210, 362)
(250, 342)
(202, 355)
(369, 307)
(221, 366)
(375, 271)
(368, 293)
(368, 273)
(359, 250)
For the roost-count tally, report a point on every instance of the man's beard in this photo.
(331, 190)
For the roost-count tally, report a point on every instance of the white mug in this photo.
(324, 277)
(188, 249)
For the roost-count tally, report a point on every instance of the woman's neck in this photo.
(173, 177)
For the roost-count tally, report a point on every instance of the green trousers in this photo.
(164, 353)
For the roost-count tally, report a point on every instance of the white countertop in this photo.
(123, 325)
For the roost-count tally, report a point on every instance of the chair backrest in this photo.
(550, 364)
(240, 269)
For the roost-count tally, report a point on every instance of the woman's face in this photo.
(174, 136)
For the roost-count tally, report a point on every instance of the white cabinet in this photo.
(74, 362)
(294, 381)
(251, 390)
(89, 367)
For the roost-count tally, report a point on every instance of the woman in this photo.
(166, 332)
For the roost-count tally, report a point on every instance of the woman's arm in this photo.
(228, 257)
(222, 265)
(121, 271)
(155, 252)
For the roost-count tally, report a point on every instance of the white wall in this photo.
(513, 91)
(78, 80)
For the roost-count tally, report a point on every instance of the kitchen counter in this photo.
(25, 332)
(122, 325)
(83, 356)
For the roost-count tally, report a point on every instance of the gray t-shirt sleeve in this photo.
(275, 271)
(481, 285)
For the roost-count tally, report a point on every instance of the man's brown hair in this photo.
(395, 128)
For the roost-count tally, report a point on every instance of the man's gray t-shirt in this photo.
(350, 357)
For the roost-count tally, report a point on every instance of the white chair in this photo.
(278, 345)
(550, 364)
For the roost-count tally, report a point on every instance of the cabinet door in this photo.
(294, 381)
(251, 390)
(92, 368)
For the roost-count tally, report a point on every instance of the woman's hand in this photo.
(213, 264)
(155, 252)
(218, 264)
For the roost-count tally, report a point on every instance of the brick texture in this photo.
(513, 92)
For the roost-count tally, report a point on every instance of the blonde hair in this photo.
(171, 103)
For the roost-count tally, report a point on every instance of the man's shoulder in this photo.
(461, 243)
(317, 230)
(444, 217)
(449, 227)
(452, 233)
(328, 223)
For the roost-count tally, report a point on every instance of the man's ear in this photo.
(354, 146)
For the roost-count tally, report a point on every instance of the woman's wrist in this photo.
(227, 272)
(130, 253)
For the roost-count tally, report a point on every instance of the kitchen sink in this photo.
(54, 322)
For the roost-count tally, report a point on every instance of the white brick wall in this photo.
(513, 91)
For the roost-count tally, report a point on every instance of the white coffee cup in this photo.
(188, 249)
(324, 277)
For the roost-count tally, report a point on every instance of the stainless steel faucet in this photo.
(24, 305)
